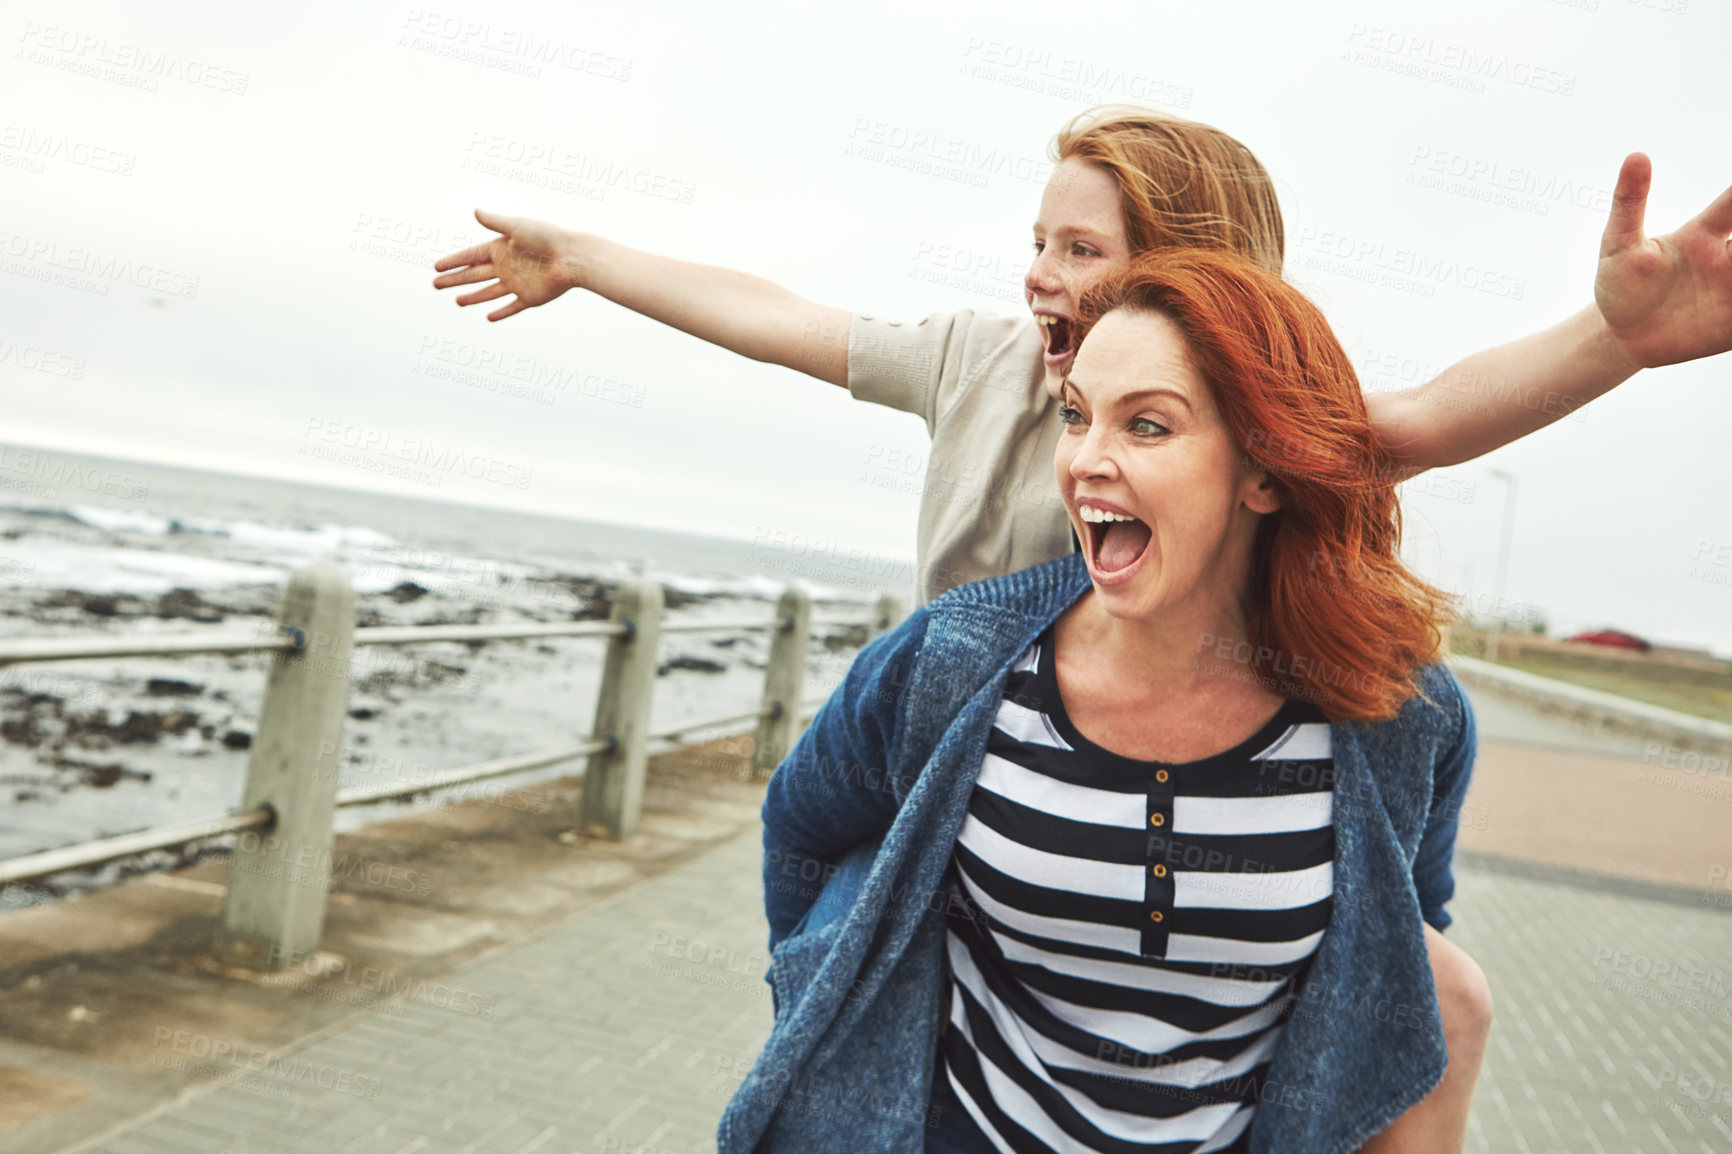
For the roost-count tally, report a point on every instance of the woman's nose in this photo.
(1092, 458)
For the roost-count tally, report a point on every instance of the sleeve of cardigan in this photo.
(833, 791)
(1433, 874)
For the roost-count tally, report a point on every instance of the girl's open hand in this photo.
(1666, 299)
(529, 259)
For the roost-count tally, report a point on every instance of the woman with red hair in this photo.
(1136, 850)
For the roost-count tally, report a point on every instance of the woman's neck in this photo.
(1172, 657)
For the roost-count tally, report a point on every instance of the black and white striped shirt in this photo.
(1127, 936)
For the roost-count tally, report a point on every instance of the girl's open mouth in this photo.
(1057, 332)
(1116, 543)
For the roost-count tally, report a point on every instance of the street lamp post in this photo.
(1502, 559)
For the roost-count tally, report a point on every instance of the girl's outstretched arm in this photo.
(535, 262)
(1658, 301)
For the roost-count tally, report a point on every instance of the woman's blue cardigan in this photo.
(859, 822)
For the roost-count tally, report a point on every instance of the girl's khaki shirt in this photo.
(990, 504)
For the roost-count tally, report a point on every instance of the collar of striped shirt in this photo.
(859, 824)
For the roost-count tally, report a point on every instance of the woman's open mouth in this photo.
(1117, 543)
(1057, 332)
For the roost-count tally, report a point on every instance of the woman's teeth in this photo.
(1092, 514)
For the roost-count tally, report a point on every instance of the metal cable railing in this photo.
(16, 650)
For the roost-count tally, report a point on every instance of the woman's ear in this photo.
(1260, 494)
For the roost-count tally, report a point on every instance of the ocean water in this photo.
(259, 518)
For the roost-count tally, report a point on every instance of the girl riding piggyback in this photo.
(1127, 180)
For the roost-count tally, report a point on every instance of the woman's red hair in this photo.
(1336, 616)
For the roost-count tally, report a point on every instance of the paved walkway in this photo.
(605, 1038)
(626, 1028)
(1612, 1026)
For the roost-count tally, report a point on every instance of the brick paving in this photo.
(1612, 1021)
(616, 1031)
(624, 1029)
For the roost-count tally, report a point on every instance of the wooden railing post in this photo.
(613, 781)
(274, 910)
(782, 682)
(887, 614)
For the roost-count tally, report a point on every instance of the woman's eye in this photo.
(1083, 250)
(1068, 415)
(1154, 428)
(1038, 246)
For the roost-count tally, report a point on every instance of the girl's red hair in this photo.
(1336, 616)
(1182, 184)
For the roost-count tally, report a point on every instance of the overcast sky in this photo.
(218, 225)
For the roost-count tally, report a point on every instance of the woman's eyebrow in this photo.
(1068, 386)
(1174, 393)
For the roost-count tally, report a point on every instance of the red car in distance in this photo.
(1612, 638)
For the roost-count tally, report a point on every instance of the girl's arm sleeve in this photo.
(1433, 874)
(833, 791)
(902, 365)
